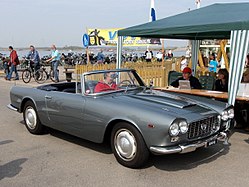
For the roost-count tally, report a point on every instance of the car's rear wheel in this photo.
(31, 119)
(128, 145)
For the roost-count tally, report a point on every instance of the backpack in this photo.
(17, 62)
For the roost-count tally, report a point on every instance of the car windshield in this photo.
(111, 81)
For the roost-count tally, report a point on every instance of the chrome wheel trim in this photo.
(30, 117)
(125, 144)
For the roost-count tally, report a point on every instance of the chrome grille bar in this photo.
(202, 127)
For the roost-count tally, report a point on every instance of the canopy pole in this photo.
(195, 50)
(239, 49)
(119, 52)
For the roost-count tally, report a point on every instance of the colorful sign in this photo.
(110, 37)
(85, 40)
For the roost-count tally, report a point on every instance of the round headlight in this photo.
(224, 115)
(183, 127)
(230, 113)
(174, 129)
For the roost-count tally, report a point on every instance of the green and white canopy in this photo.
(212, 22)
(217, 21)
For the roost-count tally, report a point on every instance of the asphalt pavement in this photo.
(57, 159)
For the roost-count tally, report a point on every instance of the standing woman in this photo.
(221, 84)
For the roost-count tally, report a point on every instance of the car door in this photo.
(65, 111)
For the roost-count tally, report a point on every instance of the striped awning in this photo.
(195, 50)
(239, 49)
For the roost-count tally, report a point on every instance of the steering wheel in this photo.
(126, 82)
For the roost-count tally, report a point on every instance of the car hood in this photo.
(165, 99)
(176, 105)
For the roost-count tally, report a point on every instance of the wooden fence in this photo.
(155, 71)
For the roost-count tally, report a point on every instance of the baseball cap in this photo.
(187, 70)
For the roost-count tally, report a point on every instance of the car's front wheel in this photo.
(128, 146)
(31, 119)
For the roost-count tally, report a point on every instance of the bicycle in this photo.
(50, 73)
(40, 75)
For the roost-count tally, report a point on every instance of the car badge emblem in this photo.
(203, 127)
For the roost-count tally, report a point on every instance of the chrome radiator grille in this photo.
(203, 127)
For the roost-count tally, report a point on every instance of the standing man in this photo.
(33, 55)
(100, 57)
(148, 55)
(55, 62)
(159, 56)
(14, 61)
(170, 54)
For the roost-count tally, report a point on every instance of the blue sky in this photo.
(63, 22)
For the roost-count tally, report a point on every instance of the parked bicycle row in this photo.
(32, 65)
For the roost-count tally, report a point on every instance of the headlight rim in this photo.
(230, 111)
(177, 122)
(170, 130)
(224, 115)
(187, 125)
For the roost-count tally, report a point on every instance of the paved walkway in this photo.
(32, 83)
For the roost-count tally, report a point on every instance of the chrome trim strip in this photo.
(12, 107)
(222, 136)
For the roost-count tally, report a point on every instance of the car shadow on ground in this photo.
(176, 162)
(102, 147)
(171, 162)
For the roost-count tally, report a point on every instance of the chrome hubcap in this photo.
(125, 144)
(30, 117)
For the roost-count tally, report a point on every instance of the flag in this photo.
(153, 18)
(198, 3)
(152, 11)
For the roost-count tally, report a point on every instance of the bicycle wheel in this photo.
(51, 75)
(40, 76)
(26, 76)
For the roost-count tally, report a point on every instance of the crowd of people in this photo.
(221, 84)
(10, 65)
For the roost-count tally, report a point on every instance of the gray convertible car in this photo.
(116, 105)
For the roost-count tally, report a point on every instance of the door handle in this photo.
(48, 97)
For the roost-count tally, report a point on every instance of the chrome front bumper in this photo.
(222, 136)
(12, 107)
